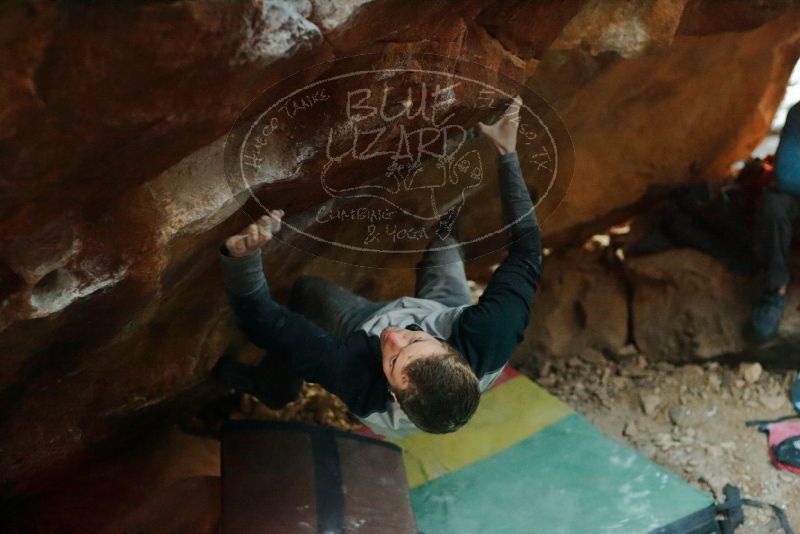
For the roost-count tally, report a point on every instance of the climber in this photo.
(410, 364)
(779, 211)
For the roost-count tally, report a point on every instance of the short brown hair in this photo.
(442, 392)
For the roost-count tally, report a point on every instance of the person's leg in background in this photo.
(440, 273)
(777, 215)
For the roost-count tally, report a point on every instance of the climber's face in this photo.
(400, 347)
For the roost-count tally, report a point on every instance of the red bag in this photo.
(784, 445)
(783, 438)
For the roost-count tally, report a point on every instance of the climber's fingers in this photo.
(277, 220)
(252, 238)
(265, 228)
(511, 114)
(275, 217)
(512, 111)
(489, 130)
(255, 235)
(236, 245)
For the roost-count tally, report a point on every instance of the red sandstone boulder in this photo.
(169, 484)
(581, 304)
(112, 201)
(687, 306)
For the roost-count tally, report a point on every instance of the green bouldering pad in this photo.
(527, 463)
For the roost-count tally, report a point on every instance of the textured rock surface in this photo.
(111, 202)
(581, 304)
(170, 484)
(610, 107)
(687, 306)
(678, 306)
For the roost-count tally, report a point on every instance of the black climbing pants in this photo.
(440, 277)
(776, 220)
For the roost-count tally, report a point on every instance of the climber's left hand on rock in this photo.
(255, 235)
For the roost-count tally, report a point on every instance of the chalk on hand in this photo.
(265, 224)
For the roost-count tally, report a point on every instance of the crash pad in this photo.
(527, 463)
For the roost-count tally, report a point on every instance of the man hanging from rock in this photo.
(414, 363)
(779, 211)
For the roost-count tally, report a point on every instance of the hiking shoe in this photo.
(767, 315)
